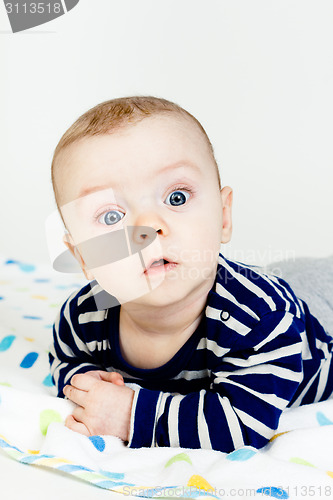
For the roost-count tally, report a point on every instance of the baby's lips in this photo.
(151, 261)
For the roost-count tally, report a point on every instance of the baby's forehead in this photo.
(171, 131)
(165, 125)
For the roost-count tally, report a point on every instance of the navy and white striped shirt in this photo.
(258, 350)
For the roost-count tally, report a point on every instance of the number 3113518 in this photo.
(33, 8)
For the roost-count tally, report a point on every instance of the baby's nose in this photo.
(153, 220)
(142, 236)
(141, 232)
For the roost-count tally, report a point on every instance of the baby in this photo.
(195, 350)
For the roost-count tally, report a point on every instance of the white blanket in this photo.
(297, 463)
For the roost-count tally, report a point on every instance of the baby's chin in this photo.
(155, 300)
(172, 298)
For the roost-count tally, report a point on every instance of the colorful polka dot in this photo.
(322, 419)
(26, 268)
(46, 418)
(29, 360)
(301, 461)
(39, 297)
(178, 458)
(98, 442)
(6, 342)
(241, 455)
(277, 435)
(48, 382)
(272, 492)
(31, 317)
(199, 482)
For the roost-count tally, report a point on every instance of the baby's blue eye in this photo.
(178, 198)
(111, 217)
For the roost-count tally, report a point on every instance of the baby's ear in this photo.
(226, 199)
(69, 242)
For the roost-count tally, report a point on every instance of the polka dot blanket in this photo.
(298, 461)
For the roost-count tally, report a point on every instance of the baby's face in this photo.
(159, 174)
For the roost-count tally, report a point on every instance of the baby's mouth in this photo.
(159, 262)
(158, 265)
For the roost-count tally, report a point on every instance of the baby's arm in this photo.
(104, 402)
(66, 359)
(248, 393)
(69, 353)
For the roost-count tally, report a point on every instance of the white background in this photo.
(257, 74)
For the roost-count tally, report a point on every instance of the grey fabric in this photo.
(311, 279)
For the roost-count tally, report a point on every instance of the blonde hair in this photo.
(110, 116)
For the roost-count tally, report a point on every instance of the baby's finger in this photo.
(113, 377)
(79, 414)
(117, 378)
(75, 395)
(76, 426)
(84, 381)
(94, 373)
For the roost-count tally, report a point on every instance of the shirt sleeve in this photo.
(69, 353)
(249, 390)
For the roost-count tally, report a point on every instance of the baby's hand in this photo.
(104, 404)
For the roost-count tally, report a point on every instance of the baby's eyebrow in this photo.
(180, 164)
(92, 189)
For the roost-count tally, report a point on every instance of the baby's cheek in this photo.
(125, 279)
